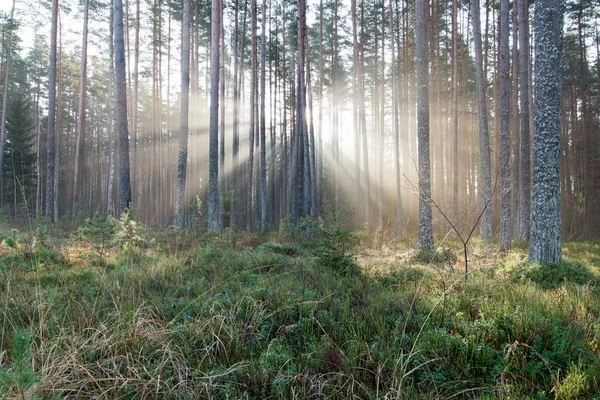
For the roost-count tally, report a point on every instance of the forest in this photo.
(300, 199)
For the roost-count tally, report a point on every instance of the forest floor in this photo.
(114, 310)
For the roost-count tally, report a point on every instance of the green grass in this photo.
(252, 316)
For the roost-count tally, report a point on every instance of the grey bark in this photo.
(363, 123)
(505, 232)
(213, 145)
(253, 99)
(455, 79)
(396, 129)
(485, 181)
(545, 241)
(111, 124)
(524, 154)
(422, 69)
(263, 140)
(183, 124)
(81, 113)
(515, 123)
(121, 92)
(222, 124)
(51, 117)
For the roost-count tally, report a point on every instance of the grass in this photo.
(254, 316)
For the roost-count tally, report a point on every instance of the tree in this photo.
(213, 146)
(50, 147)
(7, 54)
(485, 180)
(545, 241)
(425, 228)
(121, 93)
(505, 232)
(263, 143)
(524, 154)
(183, 125)
(81, 113)
(19, 155)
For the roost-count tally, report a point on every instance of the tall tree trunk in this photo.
(485, 183)
(213, 146)
(263, 138)
(396, 129)
(253, 82)
(455, 106)
(515, 124)
(422, 68)
(51, 117)
(545, 244)
(524, 155)
(355, 126)
(183, 124)
(81, 112)
(363, 121)
(505, 232)
(7, 52)
(222, 125)
(121, 92)
(298, 210)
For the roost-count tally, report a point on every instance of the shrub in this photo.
(438, 257)
(333, 239)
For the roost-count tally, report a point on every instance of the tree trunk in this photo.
(396, 129)
(422, 68)
(213, 146)
(253, 81)
(51, 117)
(121, 92)
(505, 232)
(545, 244)
(183, 124)
(524, 155)
(484, 139)
(263, 138)
(81, 112)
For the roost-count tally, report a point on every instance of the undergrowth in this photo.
(193, 315)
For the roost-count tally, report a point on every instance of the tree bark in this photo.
(121, 92)
(50, 148)
(545, 244)
(81, 112)
(183, 124)
(213, 146)
(422, 69)
(524, 155)
(505, 232)
(485, 184)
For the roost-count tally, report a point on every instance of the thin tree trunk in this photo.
(213, 146)
(505, 231)
(121, 93)
(81, 112)
(51, 117)
(396, 129)
(253, 81)
(183, 124)
(524, 156)
(422, 69)
(263, 128)
(484, 139)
